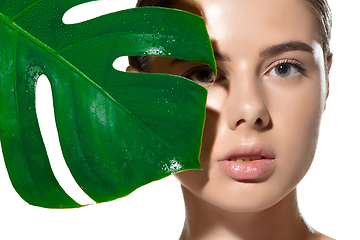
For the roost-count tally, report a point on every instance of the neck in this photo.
(206, 221)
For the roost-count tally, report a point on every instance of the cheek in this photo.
(296, 118)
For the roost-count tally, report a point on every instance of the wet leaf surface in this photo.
(118, 131)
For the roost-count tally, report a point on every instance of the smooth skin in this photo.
(270, 90)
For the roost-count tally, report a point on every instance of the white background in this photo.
(329, 195)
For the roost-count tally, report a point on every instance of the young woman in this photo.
(263, 113)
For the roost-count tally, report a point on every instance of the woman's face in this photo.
(263, 110)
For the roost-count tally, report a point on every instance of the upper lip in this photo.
(247, 150)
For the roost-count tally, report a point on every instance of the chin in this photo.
(236, 196)
(251, 203)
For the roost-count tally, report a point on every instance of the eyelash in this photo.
(191, 72)
(292, 62)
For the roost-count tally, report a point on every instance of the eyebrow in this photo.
(221, 57)
(285, 47)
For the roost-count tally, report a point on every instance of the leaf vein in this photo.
(26, 9)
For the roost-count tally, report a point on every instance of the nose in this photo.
(247, 104)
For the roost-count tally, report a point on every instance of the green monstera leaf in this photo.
(117, 130)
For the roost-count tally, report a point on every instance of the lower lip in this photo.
(248, 169)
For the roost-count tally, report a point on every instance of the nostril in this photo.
(240, 122)
(258, 121)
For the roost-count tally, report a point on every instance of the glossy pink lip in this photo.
(249, 169)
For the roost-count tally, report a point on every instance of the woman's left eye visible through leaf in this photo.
(202, 74)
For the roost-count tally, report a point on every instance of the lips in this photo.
(248, 161)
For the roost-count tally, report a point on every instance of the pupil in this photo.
(204, 75)
(283, 69)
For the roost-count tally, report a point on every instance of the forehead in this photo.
(255, 23)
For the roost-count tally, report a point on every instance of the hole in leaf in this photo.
(46, 119)
(121, 63)
(94, 9)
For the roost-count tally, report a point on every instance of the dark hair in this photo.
(320, 9)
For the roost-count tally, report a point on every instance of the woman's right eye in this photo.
(200, 74)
